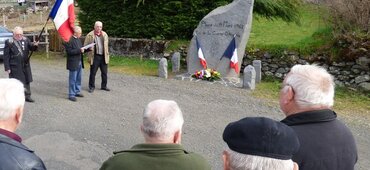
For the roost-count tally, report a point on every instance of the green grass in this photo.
(277, 34)
(134, 65)
(176, 44)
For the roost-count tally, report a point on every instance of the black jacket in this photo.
(74, 55)
(326, 143)
(16, 156)
(16, 62)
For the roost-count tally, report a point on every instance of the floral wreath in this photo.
(207, 74)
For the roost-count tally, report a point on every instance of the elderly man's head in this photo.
(77, 31)
(259, 143)
(162, 122)
(306, 87)
(11, 103)
(98, 26)
(18, 33)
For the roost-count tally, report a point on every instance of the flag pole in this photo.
(38, 38)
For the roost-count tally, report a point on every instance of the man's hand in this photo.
(8, 71)
(82, 50)
(36, 43)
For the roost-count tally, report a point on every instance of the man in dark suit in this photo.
(307, 98)
(13, 154)
(16, 61)
(75, 64)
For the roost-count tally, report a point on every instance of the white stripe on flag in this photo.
(62, 14)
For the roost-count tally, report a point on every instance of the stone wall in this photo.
(152, 49)
(354, 74)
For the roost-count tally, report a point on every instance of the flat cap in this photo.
(262, 137)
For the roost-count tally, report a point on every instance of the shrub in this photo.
(350, 15)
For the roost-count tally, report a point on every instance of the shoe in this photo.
(29, 99)
(91, 90)
(105, 88)
(73, 99)
(79, 95)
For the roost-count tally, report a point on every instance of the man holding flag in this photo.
(16, 59)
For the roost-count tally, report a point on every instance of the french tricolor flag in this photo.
(232, 53)
(200, 54)
(63, 16)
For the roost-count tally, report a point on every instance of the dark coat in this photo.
(74, 55)
(16, 156)
(156, 157)
(326, 143)
(18, 65)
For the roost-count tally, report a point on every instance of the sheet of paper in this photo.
(88, 46)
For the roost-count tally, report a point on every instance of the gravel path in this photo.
(81, 135)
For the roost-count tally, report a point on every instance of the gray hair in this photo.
(98, 23)
(312, 85)
(239, 161)
(11, 97)
(77, 29)
(18, 29)
(161, 119)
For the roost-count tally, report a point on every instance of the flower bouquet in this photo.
(207, 74)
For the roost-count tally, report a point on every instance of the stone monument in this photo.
(215, 32)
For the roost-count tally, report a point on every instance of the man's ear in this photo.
(19, 114)
(288, 95)
(225, 158)
(295, 166)
(177, 137)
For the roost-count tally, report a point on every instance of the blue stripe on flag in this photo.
(230, 49)
(198, 44)
(55, 9)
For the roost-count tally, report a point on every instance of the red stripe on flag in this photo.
(235, 66)
(65, 31)
(204, 63)
(71, 15)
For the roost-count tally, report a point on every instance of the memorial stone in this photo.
(176, 62)
(249, 78)
(215, 32)
(162, 69)
(257, 67)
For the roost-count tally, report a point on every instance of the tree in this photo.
(168, 19)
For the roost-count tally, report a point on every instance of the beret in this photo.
(261, 137)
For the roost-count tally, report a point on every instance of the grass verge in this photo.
(346, 101)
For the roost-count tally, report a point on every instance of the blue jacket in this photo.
(16, 156)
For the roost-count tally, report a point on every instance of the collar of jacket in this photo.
(156, 148)
(314, 116)
(10, 141)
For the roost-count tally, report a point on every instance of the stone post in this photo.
(257, 67)
(249, 78)
(176, 62)
(162, 68)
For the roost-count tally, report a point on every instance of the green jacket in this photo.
(155, 157)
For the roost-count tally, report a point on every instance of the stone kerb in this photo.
(163, 68)
(215, 32)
